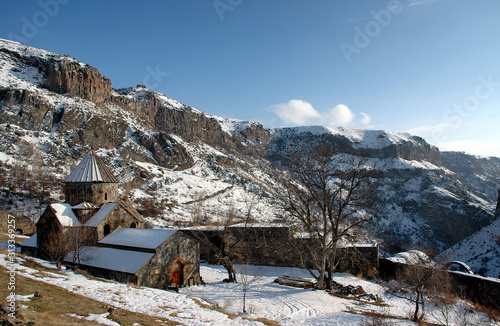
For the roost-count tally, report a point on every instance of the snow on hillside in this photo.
(361, 138)
(20, 74)
(29, 51)
(205, 188)
(265, 299)
(481, 250)
(415, 187)
(142, 94)
(232, 126)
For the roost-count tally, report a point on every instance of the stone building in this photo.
(157, 258)
(23, 225)
(91, 211)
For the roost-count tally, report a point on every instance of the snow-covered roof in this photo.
(101, 214)
(138, 238)
(85, 205)
(64, 214)
(91, 169)
(113, 259)
(30, 242)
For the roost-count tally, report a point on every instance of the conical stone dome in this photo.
(91, 181)
(91, 169)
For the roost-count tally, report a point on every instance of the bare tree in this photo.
(225, 242)
(328, 195)
(423, 279)
(248, 277)
(57, 243)
(78, 239)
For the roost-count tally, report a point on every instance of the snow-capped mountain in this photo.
(182, 166)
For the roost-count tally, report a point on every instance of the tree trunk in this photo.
(244, 300)
(321, 278)
(230, 271)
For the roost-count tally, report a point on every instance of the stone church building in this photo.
(94, 230)
(159, 258)
(91, 211)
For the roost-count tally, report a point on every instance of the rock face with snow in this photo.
(422, 201)
(181, 164)
(481, 251)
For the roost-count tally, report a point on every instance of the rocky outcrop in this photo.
(425, 197)
(74, 79)
(29, 110)
(416, 150)
(188, 123)
(480, 174)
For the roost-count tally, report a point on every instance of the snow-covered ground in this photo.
(286, 305)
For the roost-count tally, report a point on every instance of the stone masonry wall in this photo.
(95, 193)
(23, 225)
(179, 253)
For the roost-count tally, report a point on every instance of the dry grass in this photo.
(56, 303)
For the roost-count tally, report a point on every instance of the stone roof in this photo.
(130, 209)
(137, 238)
(112, 259)
(101, 214)
(91, 169)
(30, 242)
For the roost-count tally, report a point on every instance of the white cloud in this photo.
(471, 147)
(302, 113)
(365, 119)
(296, 112)
(339, 115)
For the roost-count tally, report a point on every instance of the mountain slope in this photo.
(481, 251)
(422, 200)
(182, 166)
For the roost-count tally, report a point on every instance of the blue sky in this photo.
(430, 67)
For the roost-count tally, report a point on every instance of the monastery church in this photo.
(92, 229)
(91, 201)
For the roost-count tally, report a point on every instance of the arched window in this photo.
(132, 225)
(107, 229)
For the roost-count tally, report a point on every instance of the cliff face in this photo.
(186, 164)
(74, 79)
(170, 116)
(376, 144)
